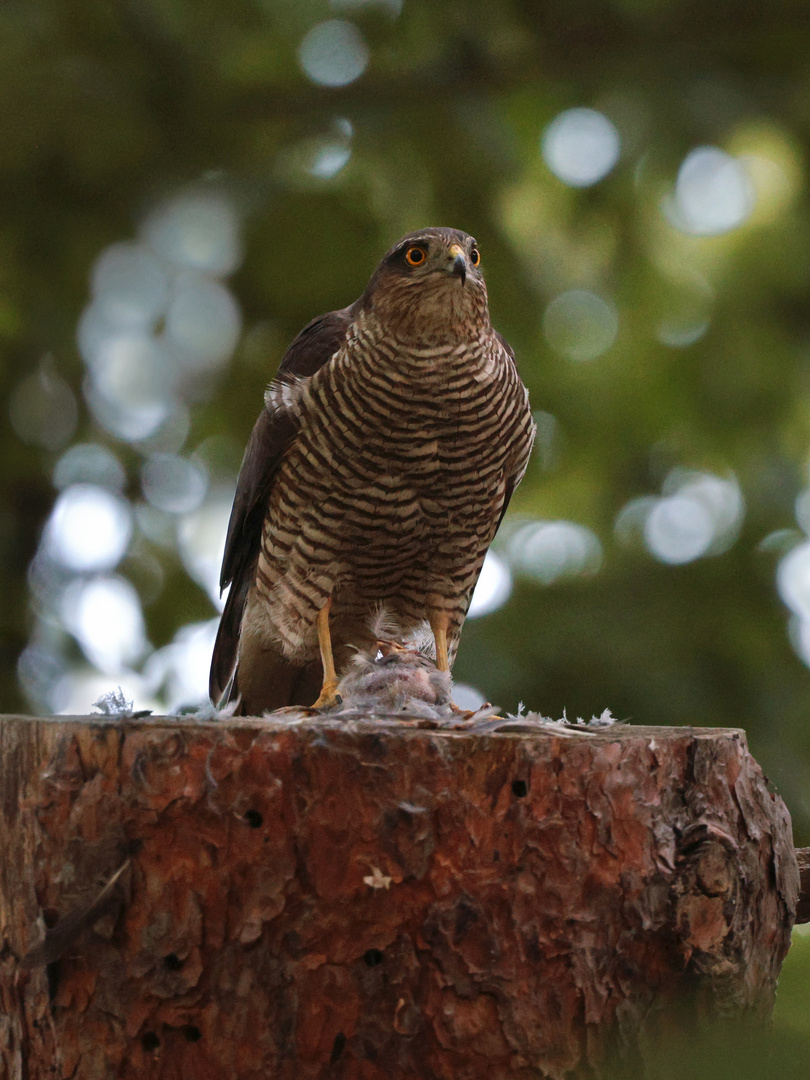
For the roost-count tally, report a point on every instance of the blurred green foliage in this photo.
(732, 1051)
(108, 108)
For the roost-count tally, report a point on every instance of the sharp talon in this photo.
(328, 697)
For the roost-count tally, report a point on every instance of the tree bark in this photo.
(247, 899)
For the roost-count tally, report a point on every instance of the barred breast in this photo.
(392, 490)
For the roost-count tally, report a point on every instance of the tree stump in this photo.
(246, 899)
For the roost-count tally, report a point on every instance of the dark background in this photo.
(680, 370)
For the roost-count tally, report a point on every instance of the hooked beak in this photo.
(458, 263)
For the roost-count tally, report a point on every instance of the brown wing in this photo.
(272, 434)
(511, 481)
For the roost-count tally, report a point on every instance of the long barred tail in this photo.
(265, 681)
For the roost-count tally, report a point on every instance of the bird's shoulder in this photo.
(504, 344)
(316, 344)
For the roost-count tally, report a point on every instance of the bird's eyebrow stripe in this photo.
(418, 242)
(424, 241)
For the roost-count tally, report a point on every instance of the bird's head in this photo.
(429, 287)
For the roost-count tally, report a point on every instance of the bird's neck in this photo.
(425, 328)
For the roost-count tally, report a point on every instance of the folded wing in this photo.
(273, 433)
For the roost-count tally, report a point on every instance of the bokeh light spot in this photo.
(713, 193)
(329, 160)
(158, 314)
(493, 588)
(333, 53)
(128, 388)
(697, 514)
(774, 164)
(89, 528)
(40, 668)
(173, 483)
(43, 409)
(678, 529)
(547, 439)
(550, 550)
(793, 580)
(196, 230)
(81, 687)
(799, 632)
(319, 156)
(89, 463)
(104, 615)
(201, 541)
(580, 146)
(203, 322)
(467, 697)
(686, 311)
(580, 325)
(332, 153)
(180, 670)
(130, 286)
(630, 520)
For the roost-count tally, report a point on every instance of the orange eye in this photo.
(475, 256)
(415, 256)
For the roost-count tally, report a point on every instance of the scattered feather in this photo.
(402, 685)
(116, 703)
(605, 719)
(383, 624)
(208, 711)
(292, 714)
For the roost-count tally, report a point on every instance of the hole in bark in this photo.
(496, 856)
(50, 916)
(52, 974)
(466, 916)
(533, 951)
(254, 819)
(337, 1047)
(150, 1041)
(375, 746)
(520, 789)
(173, 962)
(373, 957)
(192, 1033)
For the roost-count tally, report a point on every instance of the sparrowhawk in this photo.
(376, 477)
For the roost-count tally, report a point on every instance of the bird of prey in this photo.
(376, 477)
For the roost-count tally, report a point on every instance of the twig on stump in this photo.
(314, 899)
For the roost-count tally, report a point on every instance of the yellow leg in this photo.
(328, 695)
(438, 624)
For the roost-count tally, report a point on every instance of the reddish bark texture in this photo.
(374, 901)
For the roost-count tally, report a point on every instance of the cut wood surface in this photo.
(248, 898)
